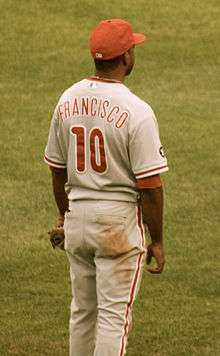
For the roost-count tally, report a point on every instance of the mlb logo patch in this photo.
(93, 85)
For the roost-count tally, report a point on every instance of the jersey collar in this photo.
(104, 80)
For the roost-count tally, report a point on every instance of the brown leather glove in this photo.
(56, 234)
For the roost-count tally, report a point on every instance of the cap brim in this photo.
(139, 38)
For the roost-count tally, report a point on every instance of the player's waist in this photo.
(91, 195)
(93, 202)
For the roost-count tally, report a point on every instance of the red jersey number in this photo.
(96, 149)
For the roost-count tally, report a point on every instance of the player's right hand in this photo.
(155, 250)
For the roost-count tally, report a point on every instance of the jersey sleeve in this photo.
(55, 155)
(147, 157)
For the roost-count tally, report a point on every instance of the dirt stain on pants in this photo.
(113, 241)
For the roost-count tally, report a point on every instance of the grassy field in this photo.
(43, 51)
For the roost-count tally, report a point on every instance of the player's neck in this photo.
(112, 76)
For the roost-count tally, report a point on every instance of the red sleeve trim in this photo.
(56, 169)
(149, 182)
(164, 168)
(53, 163)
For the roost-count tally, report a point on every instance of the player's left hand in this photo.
(57, 235)
(156, 250)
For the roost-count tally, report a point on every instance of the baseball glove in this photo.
(56, 235)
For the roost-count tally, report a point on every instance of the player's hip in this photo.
(109, 228)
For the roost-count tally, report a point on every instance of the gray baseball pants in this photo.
(104, 242)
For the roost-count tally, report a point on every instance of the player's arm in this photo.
(151, 200)
(55, 157)
(148, 162)
(59, 178)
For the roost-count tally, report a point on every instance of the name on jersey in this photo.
(93, 108)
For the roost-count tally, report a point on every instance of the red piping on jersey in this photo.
(133, 285)
(150, 170)
(104, 80)
(62, 165)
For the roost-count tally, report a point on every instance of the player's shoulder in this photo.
(140, 104)
(71, 91)
(140, 108)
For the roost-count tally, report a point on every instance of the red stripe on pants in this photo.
(133, 285)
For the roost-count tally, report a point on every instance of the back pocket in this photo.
(112, 238)
(110, 219)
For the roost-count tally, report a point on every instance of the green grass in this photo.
(43, 51)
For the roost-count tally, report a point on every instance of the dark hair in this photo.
(107, 65)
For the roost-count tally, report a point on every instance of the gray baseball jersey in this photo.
(105, 143)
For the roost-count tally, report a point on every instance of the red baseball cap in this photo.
(112, 38)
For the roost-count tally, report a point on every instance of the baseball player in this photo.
(106, 157)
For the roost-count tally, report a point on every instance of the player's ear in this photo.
(125, 58)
